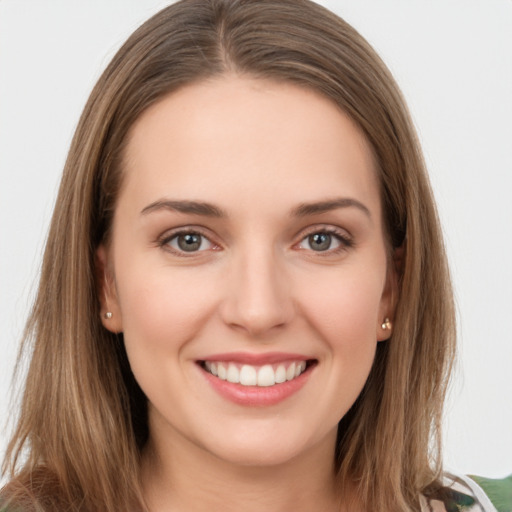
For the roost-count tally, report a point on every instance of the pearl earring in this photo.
(108, 315)
(386, 324)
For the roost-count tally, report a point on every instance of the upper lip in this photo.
(256, 359)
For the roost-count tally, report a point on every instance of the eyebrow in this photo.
(210, 210)
(316, 208)
(191, 207)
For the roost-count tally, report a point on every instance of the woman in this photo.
(244, 281)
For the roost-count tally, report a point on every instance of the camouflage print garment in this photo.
(475, 494)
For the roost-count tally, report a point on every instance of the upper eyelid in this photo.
(324, 228)
(171, 233)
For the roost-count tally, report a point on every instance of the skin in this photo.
(256, 150)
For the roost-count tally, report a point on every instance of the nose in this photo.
(258, 294)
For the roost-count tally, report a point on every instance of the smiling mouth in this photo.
(260, 376)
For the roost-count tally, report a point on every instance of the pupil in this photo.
(189, 242)
(320, 241)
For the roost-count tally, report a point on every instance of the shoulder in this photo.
(470, 494)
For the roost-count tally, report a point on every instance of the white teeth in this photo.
(262, 376)
(280, 374)
(290, 373)
(233, 374)
(221, 371)
(248, 375)
(266, 376)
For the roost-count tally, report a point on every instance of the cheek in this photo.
(346, 306)
(338, 310)
(345, 318)
(163, 309)
(163, 312)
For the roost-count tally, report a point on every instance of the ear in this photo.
(390, 295)
(110, 311)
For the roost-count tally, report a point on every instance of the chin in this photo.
(256, 456)
(253, 448)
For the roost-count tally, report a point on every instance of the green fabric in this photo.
(499, 491)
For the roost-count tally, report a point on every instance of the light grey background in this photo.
(453, 60)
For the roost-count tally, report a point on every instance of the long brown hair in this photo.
(83, 423)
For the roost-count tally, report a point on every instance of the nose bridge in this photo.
(259, 293)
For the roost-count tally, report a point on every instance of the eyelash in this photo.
(164, 241)
(345, 241)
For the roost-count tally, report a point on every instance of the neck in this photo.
(183, 477)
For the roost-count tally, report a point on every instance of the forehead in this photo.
(263, 137)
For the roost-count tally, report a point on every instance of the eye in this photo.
(320, 242)
(325, 241)
(189, 242)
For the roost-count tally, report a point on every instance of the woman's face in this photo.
(248, 243)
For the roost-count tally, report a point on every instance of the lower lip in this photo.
(257, 395)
